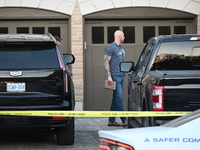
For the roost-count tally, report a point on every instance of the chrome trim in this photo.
(184, 86)
(26, 74)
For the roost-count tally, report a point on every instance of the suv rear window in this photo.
(178, 56)
(28, 55)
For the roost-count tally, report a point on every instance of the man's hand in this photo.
(110, 80)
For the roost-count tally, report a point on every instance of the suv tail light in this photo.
(158, 98)
(112, 145)
(62, 66)
(64, 80)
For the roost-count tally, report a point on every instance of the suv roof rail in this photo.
(30, 37)
(51, 36)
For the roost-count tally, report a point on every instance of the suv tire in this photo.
(65, 135)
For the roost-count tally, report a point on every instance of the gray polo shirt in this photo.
(117, 54)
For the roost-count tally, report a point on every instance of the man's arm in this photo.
(107, 66)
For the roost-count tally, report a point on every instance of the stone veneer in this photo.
(77, 51)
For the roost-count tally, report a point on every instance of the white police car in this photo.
(182, 133)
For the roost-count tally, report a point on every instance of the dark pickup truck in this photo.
(165, 78)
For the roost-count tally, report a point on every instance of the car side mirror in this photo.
(126, 66)
(68, 59)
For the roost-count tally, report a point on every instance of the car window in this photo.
(29, 55)
(182, 120)
(178, 56)
(145, 55)
(144, 58)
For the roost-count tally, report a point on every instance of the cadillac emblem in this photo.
(15, 73)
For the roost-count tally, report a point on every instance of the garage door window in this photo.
(110, 33)
(164, 30)
(38, 30)
(129, 33)
(179, 29)
(22, 29)
(3, 30)
(97, 35)
(148, 32)
(54, 31)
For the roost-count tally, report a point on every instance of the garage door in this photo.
(56, 28)
(100, 33)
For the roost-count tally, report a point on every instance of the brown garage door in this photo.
(58, 28)
(100, 33)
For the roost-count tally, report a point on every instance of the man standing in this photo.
(114, 54)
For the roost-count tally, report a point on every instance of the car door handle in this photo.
(134, 81)
(139, 83)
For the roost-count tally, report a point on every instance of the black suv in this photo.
(34, 76)
(165, 78)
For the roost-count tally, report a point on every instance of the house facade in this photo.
(87, 26)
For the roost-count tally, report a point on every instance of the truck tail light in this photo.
(158, 98)
(112, 145)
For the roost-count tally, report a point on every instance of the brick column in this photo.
(77, 50)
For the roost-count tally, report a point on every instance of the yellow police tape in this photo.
(95, 113)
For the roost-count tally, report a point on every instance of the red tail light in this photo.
(57, 117)
(65, 88)
(112, 145)
(65, 81)
(158, 98)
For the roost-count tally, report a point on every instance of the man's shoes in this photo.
(114, 123)
(125, 123)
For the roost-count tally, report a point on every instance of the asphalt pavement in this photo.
(92, 125)
(86, 137)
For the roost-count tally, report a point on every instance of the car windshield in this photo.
(28, 55)
(178, 56)
(182, 120)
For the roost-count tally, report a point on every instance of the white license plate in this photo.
(15, 87)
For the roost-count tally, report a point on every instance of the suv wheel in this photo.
(65, 135)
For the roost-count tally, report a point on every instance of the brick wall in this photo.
(77, 51)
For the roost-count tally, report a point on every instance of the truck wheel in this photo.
(65, 135)
(129, 122)
(145, 120)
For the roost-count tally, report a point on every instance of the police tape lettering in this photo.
(94, 113)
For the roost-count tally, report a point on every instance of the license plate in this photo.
(15, 87)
